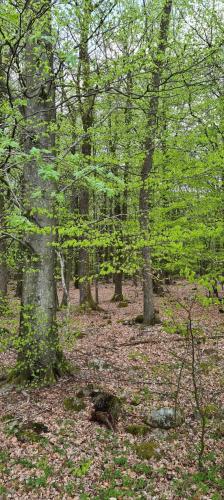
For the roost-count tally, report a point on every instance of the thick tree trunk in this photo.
(39, 353)
(118, 289)
(144, 197)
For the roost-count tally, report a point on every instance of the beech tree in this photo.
(144, 197)
(3, 193)
(39, 353)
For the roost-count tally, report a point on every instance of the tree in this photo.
(39, 352)
(86, 105)
(3, 259)
(144, 196)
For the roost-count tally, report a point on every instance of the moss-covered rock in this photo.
(147, 450)
(137, 429)
(164, 418)
(74, 404)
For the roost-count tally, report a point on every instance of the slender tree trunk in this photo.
(144, 197)
(121, 205)
(116, 213)
(39, 353)
(118, 275)
(85, 297)
(76, 271)
(3, 244)
(68, 266)
(86, 105)
(19, 283)
(3, 261)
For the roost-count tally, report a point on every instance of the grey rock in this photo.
(164, 418)
(99, 364)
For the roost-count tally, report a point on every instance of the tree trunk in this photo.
(85, 297)
(76, 271)
(39, 354)
(3, 244)
(68, 265)
(86, 105)
(3, 262)
(118, 293)
(19, 283)
(144, 197)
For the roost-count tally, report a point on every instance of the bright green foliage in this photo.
(186, 233)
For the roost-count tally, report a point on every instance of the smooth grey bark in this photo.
(144, 196)
(118, 275)
(117, 215)
(121, 202)
(86, 105)
(39, 354)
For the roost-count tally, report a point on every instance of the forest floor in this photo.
(148, 368)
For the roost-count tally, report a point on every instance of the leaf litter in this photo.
(148, 368)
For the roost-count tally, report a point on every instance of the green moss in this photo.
(147, 450)
(123, 303)
(23, 375)
(219, 432)
(7, 417)
(137, 429)
(28, 436)
(212, 410)
(136, 355)
(74, 404)
(207, 366)
(136, 400)
(117, 298)
(142, 468)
